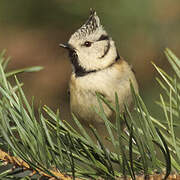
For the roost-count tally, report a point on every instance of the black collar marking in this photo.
(80, 71)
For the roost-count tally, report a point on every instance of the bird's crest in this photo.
(91, 25)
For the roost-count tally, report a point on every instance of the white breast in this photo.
(108, 81)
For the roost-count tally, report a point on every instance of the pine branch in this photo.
(18, 162)
(50, 147)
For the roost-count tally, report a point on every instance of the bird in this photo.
(97, 67)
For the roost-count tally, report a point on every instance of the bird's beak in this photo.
(67, 46)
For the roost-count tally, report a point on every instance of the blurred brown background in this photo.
(31, 31)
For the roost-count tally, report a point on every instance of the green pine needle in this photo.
(47, 142)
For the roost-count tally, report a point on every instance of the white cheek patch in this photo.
(106, 50)
(98, 49)
(99, 56)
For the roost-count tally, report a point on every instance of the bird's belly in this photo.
(83, 90)
(83, 105)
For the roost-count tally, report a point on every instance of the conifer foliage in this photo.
(33, 147)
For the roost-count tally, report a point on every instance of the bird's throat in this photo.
(79, 70)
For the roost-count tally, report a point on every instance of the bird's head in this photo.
(90, 47)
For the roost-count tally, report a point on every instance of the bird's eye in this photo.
(87, 44)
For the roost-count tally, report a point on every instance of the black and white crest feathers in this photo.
(91, 25)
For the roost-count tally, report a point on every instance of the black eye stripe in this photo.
(103, 37)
